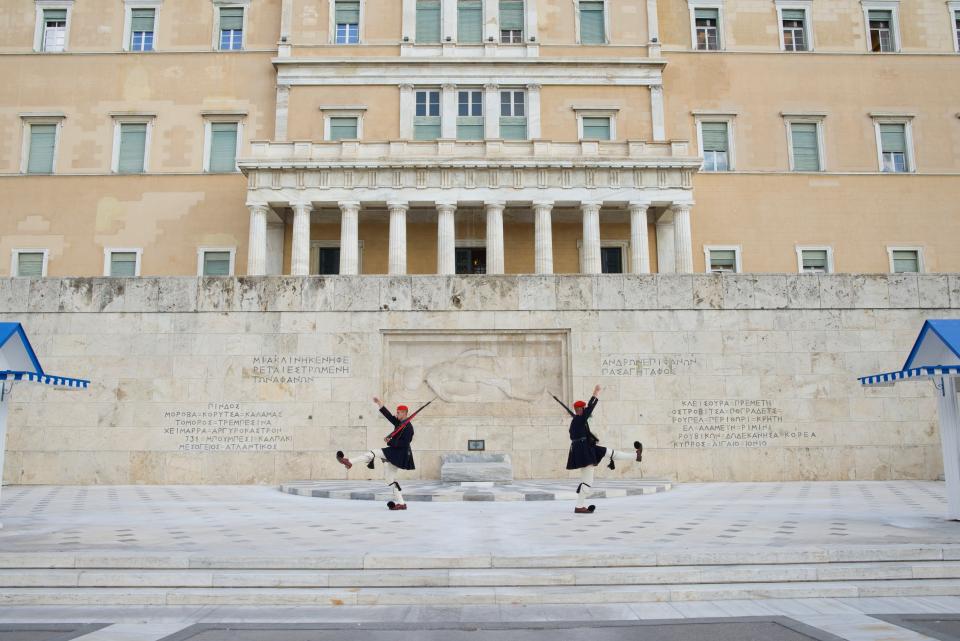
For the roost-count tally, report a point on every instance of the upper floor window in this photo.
(215, 261)
(29, 263)
(471, 260)
(954, 6)
(121, 263)
(611, 260)
(426, 123)
(793, 27)
(905, 259)
(344, 128)
(513, 114)
(142, 23)
(706, 29)
(894, 145)
(805, 148)
(52, 29)
(347, 21)
(428, 21)
(40, 137)
(596, 127)
(231, 28)
(223, 139)
(815, 260)
(882, 20)
(511, 21)
(722, 260)
(470, 114)
(592, 22)
(131, 140)
(470, 21)
(715, 144)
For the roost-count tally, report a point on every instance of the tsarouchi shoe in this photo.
(396, 506)
(637, 445)
(585, 510)
(344, 460)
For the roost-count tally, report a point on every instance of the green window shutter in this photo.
(30, 264)
(348, 12)
(511, 15)
(470, 21)
(905, 261)
(343, 128)
(723, 259)
(231, 18)
(806, 156)
(794, 14)
(815, 259)
(893, 138)
(133, 143)
(141, 20)
(881, 15)
(428, 21)
(470, 128)
(592, 30)
(513, 128)
(43, 139)
(54, 15)
(426, 128)
(707, 14)
(714, 136)
(216, 263)
(223, 146)
(123, 264)
(596, 128)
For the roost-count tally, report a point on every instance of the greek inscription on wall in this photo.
(731, 423)
(226, 427)
(298, 369)
(641, 365)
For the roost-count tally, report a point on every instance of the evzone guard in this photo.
(396, 456)
(585, 451)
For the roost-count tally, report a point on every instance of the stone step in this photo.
(465, 578)
(474, 595)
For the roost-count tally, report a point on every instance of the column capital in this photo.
(448, 86)
(495, 204)
(397, 205)
(591, 206)
(638, 205)
(257, 207)
(349, 206)
(446, 207)
(533, 86)
(684, 207)
(308, 207)
(491, 86)
(543, 204)
(406, 86)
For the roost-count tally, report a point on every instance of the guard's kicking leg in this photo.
(586, 481)
(626, 456)
(366, 457)
(390, 475)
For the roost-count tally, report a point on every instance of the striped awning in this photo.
(45, 379)
(889, 378)
(18, 361)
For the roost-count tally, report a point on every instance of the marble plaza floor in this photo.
(756, 525)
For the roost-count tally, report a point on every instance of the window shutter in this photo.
(223, 146)
(343, 128)
(905, 261)
(707, 14)
(426, 128)
(428, 21)
(216, 263)
(231, 18)
(348, 12)
(511, 15)
(806, 156)
(591, 23)
(881, 15)
(815, 258)
(596, 128)
(54, 15)
(893, 139)
(42, 141)
(133, 142)
(141, 20)
(470, 21)
(513, 128)
(725, 259)
(794, 14)
(470, 128)
(123, 264)
(30, 264)
(714, 136)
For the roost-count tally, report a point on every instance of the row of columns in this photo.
(446, 238)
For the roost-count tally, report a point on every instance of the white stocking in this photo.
(390, 476)
(586, 481)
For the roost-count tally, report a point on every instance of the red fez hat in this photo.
(403, 408)
(579, 404)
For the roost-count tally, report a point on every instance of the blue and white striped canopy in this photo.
(935, 353)
(18, 361)
(890, 378)
(45, 379)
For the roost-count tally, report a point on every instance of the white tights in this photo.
(586, 474)
(389, 472)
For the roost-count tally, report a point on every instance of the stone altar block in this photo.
(469, 468)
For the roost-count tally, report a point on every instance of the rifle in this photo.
(410, 418)
(569, 411)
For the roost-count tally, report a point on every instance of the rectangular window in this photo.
(815, 261)
(592, 29)
(29, 264)
(794, 29)
(707, 23)
(428, 21)
(43, 140)
(141, 29)
(426, 122)
(327, 261)
(956, 28)
(470, 115)
(905, 260)
(133, 147)
(893, 145)
(216, 263)
(806, 146)
(347, 17)
(881, 30)
(596, 128)
(471, 260)
(123, 264)
(513, 115)
(54, 30)
(470, 21)
(223, 147)
(344, 128)
(716, 147)
(231, 28)
(611, 260)
(723, 261)
(511, 21)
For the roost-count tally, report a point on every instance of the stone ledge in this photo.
(575, 292)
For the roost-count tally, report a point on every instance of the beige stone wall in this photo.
(777, 355)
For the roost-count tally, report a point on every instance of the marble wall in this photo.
(261, 380)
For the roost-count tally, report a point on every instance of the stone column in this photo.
(491, 112)
(257, 245)
(591, 238)
(682, 241)
(533, 112)
(349, 238)
(666, 260)
(495, 237)
(543, 234)
(282, 113)
(300, 251)
(408, 108)
(446, 239)
(397, 257)
(657, 112)
(448, 111)
(639, 241)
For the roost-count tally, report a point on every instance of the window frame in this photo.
(131, 119)
(729, 119)
(921, 267)
(471, 243)
(737, 258)
(817, 119)
(443, 17)
(29, 119)
(203, 250)
(209, 118)
(606, 23)
(802, 248)
(513, 91)
(622, 244)
(107, 255)
(327, 244)
(333, 24)
(470, 91)
(230, 4)
(953, 6)
(796, 5)
(15, 260)
(129, 6)
(597, 112)
(895, 119)
(439, 116)
(692, 6)
(40, 28)
(893, 6)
